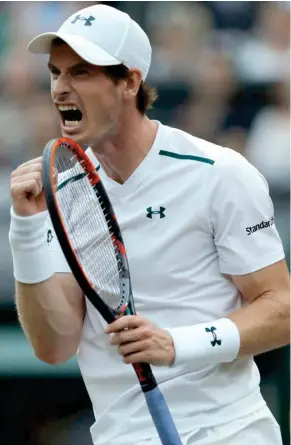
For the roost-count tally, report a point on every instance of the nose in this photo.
(60, 87)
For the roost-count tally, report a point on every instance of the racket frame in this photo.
(155, 400)
(143, 371)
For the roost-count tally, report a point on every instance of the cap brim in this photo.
(90, 52)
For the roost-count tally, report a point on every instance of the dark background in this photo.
(222, 73)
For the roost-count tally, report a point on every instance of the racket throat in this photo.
(145, 376)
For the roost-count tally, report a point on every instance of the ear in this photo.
(133, 83)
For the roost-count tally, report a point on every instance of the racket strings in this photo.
(88, 225)
(92, 254)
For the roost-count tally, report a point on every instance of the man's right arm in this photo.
(50, 306)
(51, 314)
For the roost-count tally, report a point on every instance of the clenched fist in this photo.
(27, 190)
(139, 340)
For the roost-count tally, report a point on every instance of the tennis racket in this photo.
(78, 206)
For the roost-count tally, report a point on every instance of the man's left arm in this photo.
(263, 324)
(264, 321)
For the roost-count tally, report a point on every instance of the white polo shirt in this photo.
(190, 214)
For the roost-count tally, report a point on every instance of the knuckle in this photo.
(147, 344)
(35, 168)
(135, 320)
(33, 181)
(147, 331)
(122, 350)
(27, 168)
(36, 176)
(14, 191)
(16, 174)
(147, 356)
(116, 339)
(25, 175)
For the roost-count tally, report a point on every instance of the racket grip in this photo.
(162, 418)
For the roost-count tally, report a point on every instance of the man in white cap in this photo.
(207, 264)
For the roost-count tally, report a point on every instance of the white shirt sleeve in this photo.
(57, 257)
(241, 215)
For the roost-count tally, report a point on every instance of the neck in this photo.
(122, 153)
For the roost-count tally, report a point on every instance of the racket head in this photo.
(72, 184)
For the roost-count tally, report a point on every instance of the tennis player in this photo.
(207, 264)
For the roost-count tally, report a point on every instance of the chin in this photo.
(78, 137)
(87, 138)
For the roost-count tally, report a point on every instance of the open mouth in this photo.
(71, 115)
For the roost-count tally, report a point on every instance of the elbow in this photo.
(53, 357)
(283, 325)
(286, 318)
(287, 332)
(56, 352)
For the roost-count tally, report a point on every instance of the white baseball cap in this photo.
(102, 36)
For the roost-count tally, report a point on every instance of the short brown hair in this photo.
(146, 95)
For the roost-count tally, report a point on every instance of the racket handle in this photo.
(162, 417)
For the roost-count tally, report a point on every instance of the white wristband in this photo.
(31, 257)
(214, 342)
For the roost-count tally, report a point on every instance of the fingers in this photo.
(126, 322)
(158, 350)
(133, 336)
(20, 190)
(27, 176)
(143, 332)
(31, 162)
(137, 346)
(26, 180)
(139, 340)
(29, 183)
(138, 357)
(26, 169)
(26, 188)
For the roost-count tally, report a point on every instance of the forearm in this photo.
(51, 323)
(263, 325)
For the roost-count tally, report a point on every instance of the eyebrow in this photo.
(52, 67)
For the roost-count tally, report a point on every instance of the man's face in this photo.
(89, 103)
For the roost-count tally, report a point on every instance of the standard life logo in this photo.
(262, 225)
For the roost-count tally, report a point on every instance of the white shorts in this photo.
(257, 428)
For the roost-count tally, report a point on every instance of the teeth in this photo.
(71, 123)
(67, 107)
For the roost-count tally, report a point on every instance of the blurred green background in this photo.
(222, 73)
